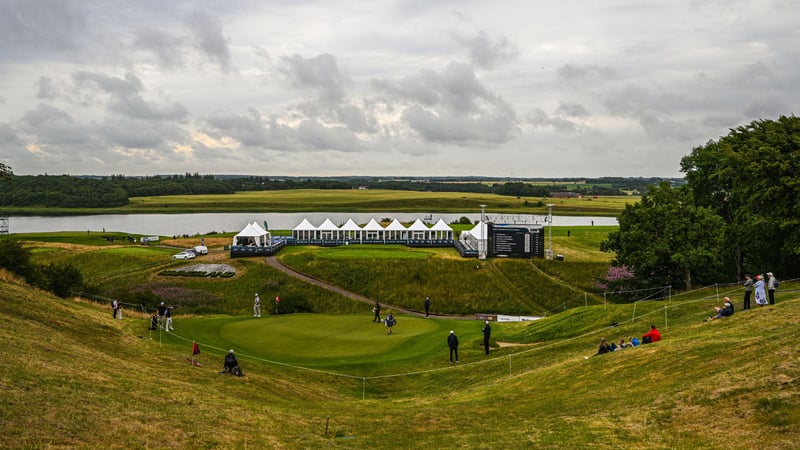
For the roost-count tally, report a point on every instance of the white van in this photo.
(200, 250)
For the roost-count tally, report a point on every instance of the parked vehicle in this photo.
(200, 250)
(186, 254)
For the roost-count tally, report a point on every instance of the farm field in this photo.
(351, 200)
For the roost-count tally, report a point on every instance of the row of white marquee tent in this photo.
(254, 235)
(372, 231)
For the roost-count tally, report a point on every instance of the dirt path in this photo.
(272, 261)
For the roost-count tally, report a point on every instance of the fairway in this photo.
(349, 343)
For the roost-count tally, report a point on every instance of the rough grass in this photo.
(76, 378)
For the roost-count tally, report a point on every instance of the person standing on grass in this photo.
(487, 333)
(452, 342)
(114, 308)
(748, 291)
(772, 284)
(390, 322)
(761, 295)
(427, 307)
(377, 310)
(168, 315)
(162, 310)
(257, 306)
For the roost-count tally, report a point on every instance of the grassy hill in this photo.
(74, 377)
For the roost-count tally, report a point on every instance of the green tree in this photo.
(750, 178)
(667, 240)
(15, 258)
(61, 279)
(5, 171)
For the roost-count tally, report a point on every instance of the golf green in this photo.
(321, 340)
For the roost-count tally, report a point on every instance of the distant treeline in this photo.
(67, 191)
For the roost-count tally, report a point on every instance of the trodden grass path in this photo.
(274, 262)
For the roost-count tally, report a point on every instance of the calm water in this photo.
(192, 224)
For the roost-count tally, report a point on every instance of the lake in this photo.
(203, 223)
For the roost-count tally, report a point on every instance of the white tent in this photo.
(373, 231)
(253, 236)
(418, 230)
(351, 231)
(442, 230)
(395, 231)
(305, 231)
(328, 230)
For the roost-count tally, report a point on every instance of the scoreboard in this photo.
(516, 241)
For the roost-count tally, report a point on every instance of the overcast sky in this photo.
(495, 88)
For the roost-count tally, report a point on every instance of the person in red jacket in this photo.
(651, 336)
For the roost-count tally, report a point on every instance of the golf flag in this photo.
(195, 349)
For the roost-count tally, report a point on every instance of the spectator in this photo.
(772, 284)
(162, 310)
(748, 291)
(487, 333)
(634, 341)
(651, 336)
(452, 343)
(427, 307)
(622, 344)
(231, 365)
(761, 295)
(114, 308)
(168, 315)
(604, 348)
(153, 322)
(725, 311)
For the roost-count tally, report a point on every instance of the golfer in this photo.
(257, 306)
(487, 333)
(452, 342)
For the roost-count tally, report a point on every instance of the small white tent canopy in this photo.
(373, 231)
(442, 230)
(419, 231)
(305, 231)
(252, 236)
(395, 231)
(351, 231)
(328, 230)
(476, 237)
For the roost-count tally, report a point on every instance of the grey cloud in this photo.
(51, 125)
(572, 110)
(209, 38)
(317, 136)
(8, 135)
(142, 134)
(570, 72)
(320, 73)
(488, 52)
(46, 88)
(126, 97)
(766, 107)
(166, 47)
(451, 106)
(29, 28)
(540, 119)
(754, 75)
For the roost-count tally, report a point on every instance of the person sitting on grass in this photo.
(651, 336)
(153, 322)
(725, 311)
(231, 364)
(634, 341)
(604, 347)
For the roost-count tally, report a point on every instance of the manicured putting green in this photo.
(322, 340)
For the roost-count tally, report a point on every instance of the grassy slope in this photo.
(75, 377)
